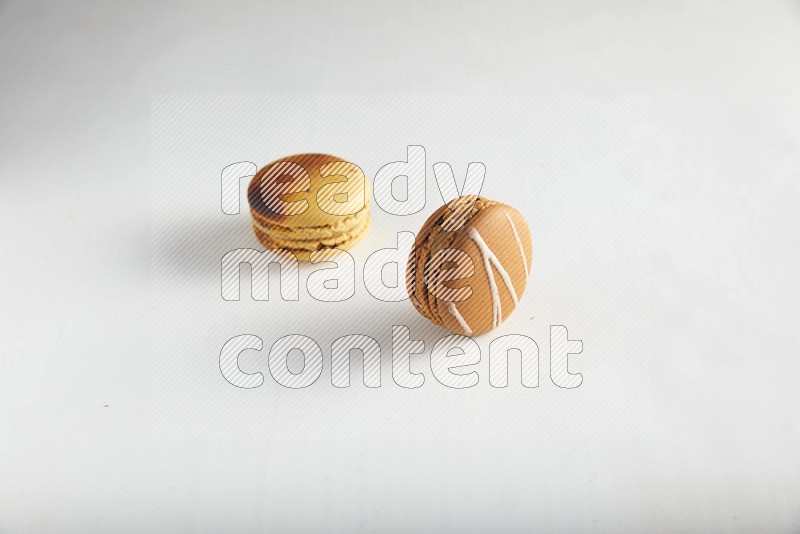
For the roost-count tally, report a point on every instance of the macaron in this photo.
(470, 265)
(309, 202)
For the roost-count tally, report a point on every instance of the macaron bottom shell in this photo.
(303, 241)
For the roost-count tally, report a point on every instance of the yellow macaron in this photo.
(309, 202)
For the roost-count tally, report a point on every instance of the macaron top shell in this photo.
(470, 265)
(308, 190)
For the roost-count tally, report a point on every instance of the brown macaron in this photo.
(309, 202)
(470, 264)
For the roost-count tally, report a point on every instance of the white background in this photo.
(718, 452)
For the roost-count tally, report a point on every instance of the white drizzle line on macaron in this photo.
(519, 244)
(490, 259)
(451, 307)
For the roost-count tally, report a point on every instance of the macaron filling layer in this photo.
(311, 239)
